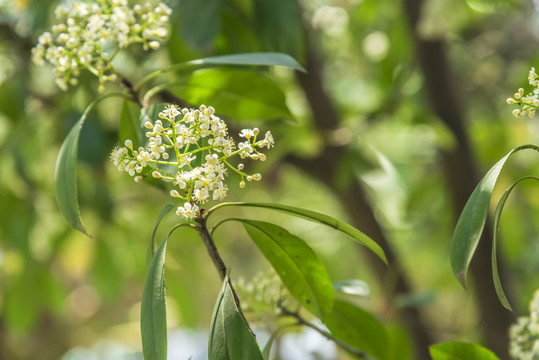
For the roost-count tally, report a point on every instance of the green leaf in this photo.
(253, 59)
(297, 265)
(473, 217)
(460, 351)
(65, 176)
(315, 217)
(230, 336)
(153, 313)
(200, 30)
(358, 328)
(129, 128)
(151, 246)
(246, 59)
(497, 217)
(237, 93)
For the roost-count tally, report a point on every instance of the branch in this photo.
(219, 264)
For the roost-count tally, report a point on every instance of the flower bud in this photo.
(157, 175)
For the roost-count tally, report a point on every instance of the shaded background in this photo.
(401, 111)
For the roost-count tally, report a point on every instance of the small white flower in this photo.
(187, 211)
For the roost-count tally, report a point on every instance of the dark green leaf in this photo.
(230, 337)
(237, 93)
(151, 246)
(279, 25)
(460, 351)
(316, 217)
(153, 313)
(473, 217)
(200, 30)
(299, 268)
(358, 328)
(65, 177)
(497, 217)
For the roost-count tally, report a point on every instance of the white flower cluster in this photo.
(524, 335)
(530, 102)
(195, 143)
(90, 33)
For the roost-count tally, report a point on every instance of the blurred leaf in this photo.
(473, 217)
(129, 128)
(400, 347)
(279, 25)
(299, 268)
(353, 287)
(237, 93)
(65, 177)
(315, 217)
(153, 315)
(200, 21)
(230, 337)
(497, 216)
(105, 273)
(358, 328)
(12, 98)
(151, 246)
(460, 351)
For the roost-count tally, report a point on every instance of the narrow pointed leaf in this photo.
(153, 314)
(65, 178)
(65, 175)
(460, 351)
(358, 328)
(300, 270)
(473, 217)
(315, 217)
(261, 58)
(245, 59)
(230, 337)
(497, 217)
(151, 246)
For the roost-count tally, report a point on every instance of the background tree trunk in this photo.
(462, 176)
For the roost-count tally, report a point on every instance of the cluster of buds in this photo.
(261, 295)
(530, 102)
(524, 335)
(191, 149)
(90, 34)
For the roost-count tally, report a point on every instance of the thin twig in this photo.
(327, 335)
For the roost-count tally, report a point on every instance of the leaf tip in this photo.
(461, 277)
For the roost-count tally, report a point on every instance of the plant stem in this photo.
(219, 263)
(327, 335)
